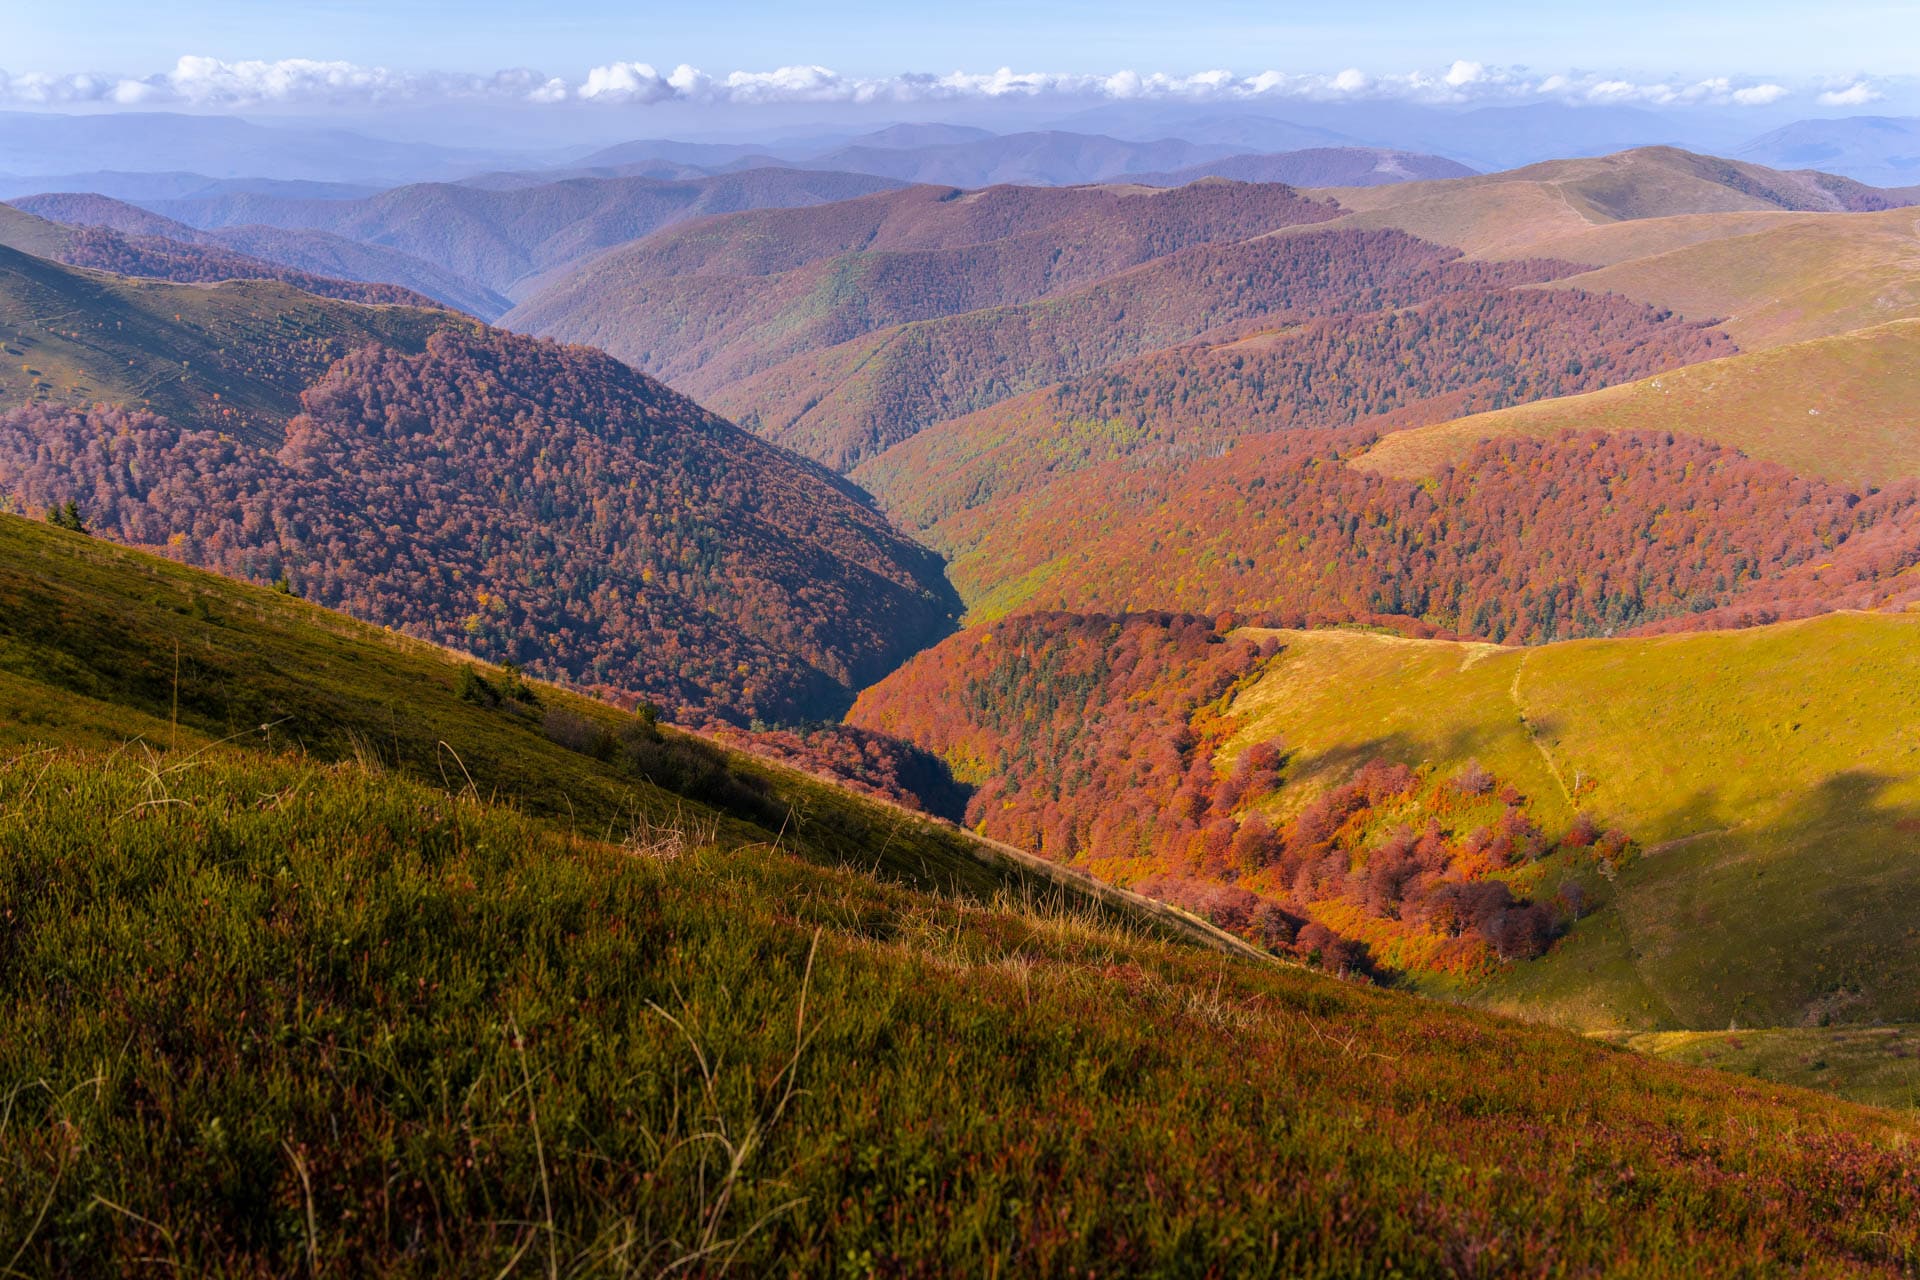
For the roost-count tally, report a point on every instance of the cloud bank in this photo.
(200, 82)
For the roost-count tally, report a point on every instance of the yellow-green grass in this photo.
(1844, 408)
(234, 355)
(106, 647)
(1879, 1065)
(1811, 277)
(1771, 778)
(267, 1016)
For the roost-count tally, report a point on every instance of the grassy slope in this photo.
(81, 337)
(1811, 277)
(92, 634)
(266, 1011)
(1841, 408)
(1880, 1064)
(1772, 777)
(304, 1018)
(1601, 209)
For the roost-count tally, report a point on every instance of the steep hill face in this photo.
(849, 402)
(1525, 541)
(316, 253)
(534, 503)
(496, 239)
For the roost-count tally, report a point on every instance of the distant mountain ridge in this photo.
(498, 239)
(318, 253)
(1318, 167)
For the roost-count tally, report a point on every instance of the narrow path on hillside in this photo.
(1519, 708)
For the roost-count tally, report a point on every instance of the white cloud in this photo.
(214, 83)
(1857, 94)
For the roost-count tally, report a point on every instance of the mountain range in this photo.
(1052, 704)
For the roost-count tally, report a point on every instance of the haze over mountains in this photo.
(1028, 574)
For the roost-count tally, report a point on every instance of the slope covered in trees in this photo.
(846, 403)
(1468, 350)
(1093, 740)
(528, 502)
(707, 303)
(182, 259)
(427, 940)
(1526, 541)
(1444, 810)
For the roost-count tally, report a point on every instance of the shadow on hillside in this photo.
(1803, 919)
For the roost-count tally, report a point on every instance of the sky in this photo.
(103, 54)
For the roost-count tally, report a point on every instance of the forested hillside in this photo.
(1474, 349)
(1525, 541)
(846, 403)
(529, 502)
(709, 303)
(1469, 819)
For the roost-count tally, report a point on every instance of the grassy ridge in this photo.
(234, 356)
(1772, 777)
(1840, 408)
(264, 1016)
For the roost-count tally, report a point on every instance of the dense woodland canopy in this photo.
(846, 403)
(529, 502)
(1093, 739)
(715, 300)
(1526, 541)
(1461, 353)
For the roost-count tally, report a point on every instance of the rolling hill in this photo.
(234, 355)
(848, 402)
(1840, 408)
(1172, 408)
(1491, 824)
(715, 301)
(497, 239)
(267, 942)
(1796, 278)
(318, 253)
(1611, 209)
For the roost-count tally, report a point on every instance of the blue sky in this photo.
(871, 37)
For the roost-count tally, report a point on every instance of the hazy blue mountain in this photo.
(1882, 150)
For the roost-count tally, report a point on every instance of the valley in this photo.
(950, 701)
